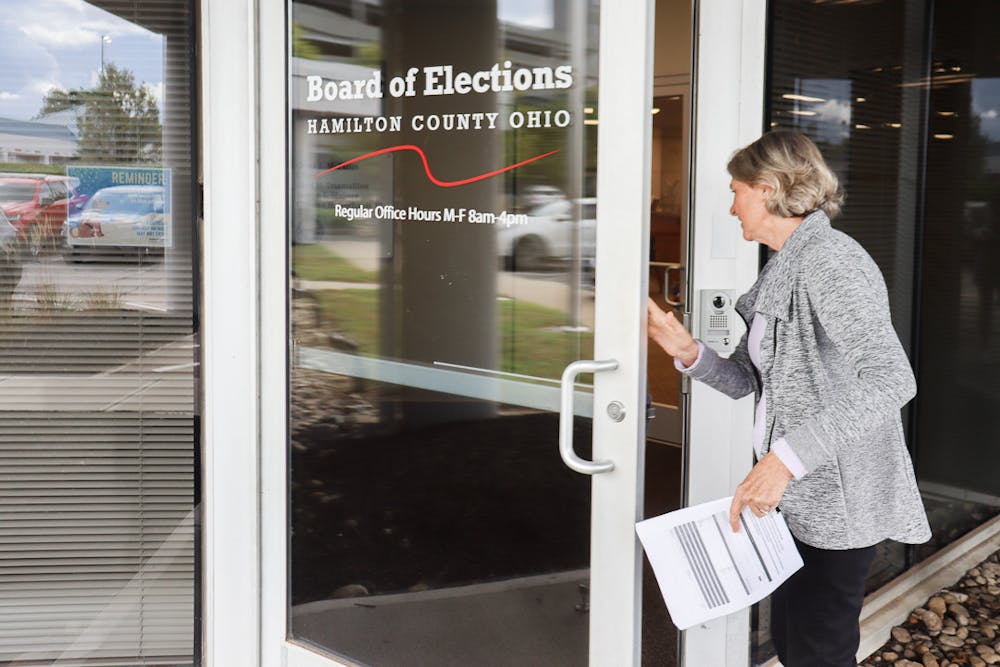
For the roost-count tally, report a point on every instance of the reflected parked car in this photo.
(546, 238)
(536, 195)
(120, 216)
(38, 205)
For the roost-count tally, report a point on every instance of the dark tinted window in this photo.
(903, 97)
(58, 189)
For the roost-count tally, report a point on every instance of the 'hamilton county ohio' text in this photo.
(445, 122)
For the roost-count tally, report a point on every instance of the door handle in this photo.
(667, 268)
(569, 456)
(666, 283)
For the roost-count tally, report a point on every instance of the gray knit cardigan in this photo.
(836, 378)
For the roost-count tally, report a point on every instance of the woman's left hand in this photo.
(762, 489)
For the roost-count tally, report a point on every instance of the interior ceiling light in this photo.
(895, 125)
(797, 112)
(947, 114)
(944, 136)
(656, 110)
(590, 121)
(588, 109)
(860, 126)
(938, 81)
(860, 99)
(802, 98)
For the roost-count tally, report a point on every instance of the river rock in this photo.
(957, 627)
(937, 605)
(930, 620)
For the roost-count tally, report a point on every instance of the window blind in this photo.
(857, 99)
(99, 359)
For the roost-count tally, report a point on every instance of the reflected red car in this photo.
(38, 205)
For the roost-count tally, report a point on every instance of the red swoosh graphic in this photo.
(427, 169)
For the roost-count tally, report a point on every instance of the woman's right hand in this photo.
(668, 333)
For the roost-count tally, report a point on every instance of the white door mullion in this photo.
(230, 565)
(729, 106)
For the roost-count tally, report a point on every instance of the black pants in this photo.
(814, 615)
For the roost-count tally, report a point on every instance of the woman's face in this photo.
(748, 206)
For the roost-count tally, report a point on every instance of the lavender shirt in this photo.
(780, 447)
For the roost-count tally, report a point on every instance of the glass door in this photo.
(454, 494)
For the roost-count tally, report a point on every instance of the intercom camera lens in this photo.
(718, 301)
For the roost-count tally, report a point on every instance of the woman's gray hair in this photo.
(791, 164)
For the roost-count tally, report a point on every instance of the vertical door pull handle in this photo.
(666, 284)
(569, 456)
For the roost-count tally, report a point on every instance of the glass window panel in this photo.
(843, 73)
(98, 346)
(432, 313)
(959, 396)
(918, 153)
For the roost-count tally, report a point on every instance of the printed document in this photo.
(705, 570)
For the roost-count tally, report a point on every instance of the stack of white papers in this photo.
(705, 570)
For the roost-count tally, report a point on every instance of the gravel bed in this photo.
(958, 625)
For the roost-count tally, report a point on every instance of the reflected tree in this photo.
(119, 120)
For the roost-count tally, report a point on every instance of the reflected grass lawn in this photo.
(531, 342)
(315, 262)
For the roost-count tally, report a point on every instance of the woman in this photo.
(830, 377)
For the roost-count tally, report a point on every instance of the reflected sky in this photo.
(57, 44)
(820, 107)
(527, 13)
(986, 105)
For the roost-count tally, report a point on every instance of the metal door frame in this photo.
(623, 194)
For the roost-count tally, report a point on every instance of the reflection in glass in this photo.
(868, 125)
(432, 313)
(914, 135)
(960, 353)
(98, 347)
